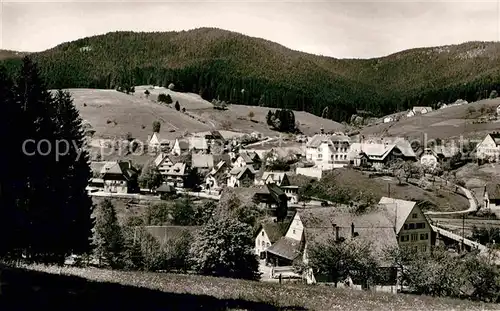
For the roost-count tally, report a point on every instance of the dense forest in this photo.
(240, 69)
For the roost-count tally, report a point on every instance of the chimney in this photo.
(352, 230)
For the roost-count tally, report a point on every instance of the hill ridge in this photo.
(218, 63)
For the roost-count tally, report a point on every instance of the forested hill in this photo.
(220, 63)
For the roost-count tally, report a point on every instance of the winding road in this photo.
(473, 206)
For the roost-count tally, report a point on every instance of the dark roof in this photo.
(275, 230)
(373, 227)
(286, 247)
(165, 188)
(164, 234)
(493, 191)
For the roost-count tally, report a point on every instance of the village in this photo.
(204, 165)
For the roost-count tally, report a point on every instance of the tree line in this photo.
(45, 211)
(238, 69)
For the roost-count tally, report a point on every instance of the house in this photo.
(216, 178)
(377, 155)
(163, 163)
(491, 196)
(119, 177)
(158, 144)
(421, 110)
(403, 145)
(269, 233)
(241, 177)
(489, 149)
(412, 228)
(272, 198)
(388, 119)
(180, 147)
(438, 154)
(247, 159)
(292, 193)
(202, 161)
(428, 158)
(165, 190)
(498, 110)
(328, 151)
(198, 144)
(176, 175)
(326, 224)
(278, 178)
(410, 114)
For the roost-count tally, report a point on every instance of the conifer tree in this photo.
(109, 242)
(73, 163)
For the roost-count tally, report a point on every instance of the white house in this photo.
(216, 178)
(163, 163)
(331, 224)
(328, 151)
(198, 144)
(421, 110)
(158, 144)
(180, 147)
(388, 119)
(176, 176)
(117, 176)
(428, 158)
(491, 197)
(269, 233)
(489, 148)
(278, 178)
(246, 159)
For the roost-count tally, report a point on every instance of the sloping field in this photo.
(91, 289)
(444, 123)
(102, 108)
(135, 113)
(237, 116)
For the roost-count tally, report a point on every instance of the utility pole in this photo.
(388, 190)
(463, 231)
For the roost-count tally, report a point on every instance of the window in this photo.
(423, 248)
(319, 149)
(404, 238)
(414, 237)
(424, 236)
(262, 233)
(405, 226)
(411, 226)
(263, 244)
(269, 244)
(420, 225)
(414, 215)
(320, 155)
(293, 231)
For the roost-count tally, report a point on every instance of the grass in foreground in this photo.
(76, 288)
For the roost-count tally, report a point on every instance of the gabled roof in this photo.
(274, 230)
(493, 191)
(160, 158)
(373, 151)
(199, 143)
(496, 137)
(240, 171)
(445, 151)
(403, 145)
(249, 157)
(161, 140)
(275, 176)
(165, 188)
(397, 210)
(217, 168)
(124, 169)
(372, 227)
(178, 169)
(202, 160)
(319, 139)
(286, 247)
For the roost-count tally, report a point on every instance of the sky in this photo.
(354, 29)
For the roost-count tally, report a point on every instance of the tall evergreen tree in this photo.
(108, 240)
(73, 163)
(9, 119)
(35, 182)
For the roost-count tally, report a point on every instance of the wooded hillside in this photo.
(245, 70)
